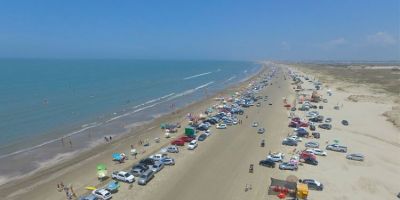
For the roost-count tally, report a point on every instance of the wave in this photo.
(49, 141)
(229, 79)
(191, 90)
(197, 75)
(85, 127)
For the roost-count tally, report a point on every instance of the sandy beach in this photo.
(219, 167)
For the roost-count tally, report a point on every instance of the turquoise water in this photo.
(44, 100)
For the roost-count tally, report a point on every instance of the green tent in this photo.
(190, 131)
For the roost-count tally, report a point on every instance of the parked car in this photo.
(316, 135)
(221, 126)
(123, 176)
(301, 132)
(192, 145)
(207, 132)
(276, 157)
(267, 163)
(355, 156)
(146, 177)
(261, 130)
(147, 161)
(255, 124)
(311, 144)
(172, 149)
(187, 138)
(168, 161)
(102, 194)
(325, 126)
(158, 156)
(328, 120)
(311, 161)
(178, 142)
(202, 137)
(336, 147)
(89, 197)
(312, 127)
(288, 166)
(138, 169)
(157, 166)
(313, 184)
(295, 137)
(345, 122)
(289, 142)
(318, 152)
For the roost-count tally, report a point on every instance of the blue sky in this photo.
(206, 29)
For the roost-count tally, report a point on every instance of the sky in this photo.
(205, 29)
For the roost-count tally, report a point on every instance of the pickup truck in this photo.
(336, 147)
(123, 176)
(158, 157)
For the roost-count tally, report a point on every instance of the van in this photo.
(146, 177)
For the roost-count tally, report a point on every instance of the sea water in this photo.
(45, 104)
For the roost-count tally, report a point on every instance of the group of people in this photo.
(69, 192)
(108, 139)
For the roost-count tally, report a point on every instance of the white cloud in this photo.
(333, 43)
(381, 38)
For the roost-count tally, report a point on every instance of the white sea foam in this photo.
(49, 141)
(197, 75)
(229, 79)
(191, 90)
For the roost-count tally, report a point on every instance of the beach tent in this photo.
(101, 171)
(190, 131)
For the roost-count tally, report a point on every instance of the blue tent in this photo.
(117, 156)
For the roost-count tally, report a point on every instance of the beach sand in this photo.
(363, 104)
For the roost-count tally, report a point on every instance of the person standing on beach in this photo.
(105, 138)
(110, 138)
(70, 142)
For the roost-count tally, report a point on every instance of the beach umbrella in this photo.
(101, 167)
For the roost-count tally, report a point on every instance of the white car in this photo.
(276, 157)
(192, 145)
(158, 156)
(255, 124)
(296, 138)
(123, 176)
(221, 126)
(102, 194)
(317, 152)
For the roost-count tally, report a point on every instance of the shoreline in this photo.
(38, 177)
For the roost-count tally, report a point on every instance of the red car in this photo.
(178, 142)
(187, 138)
(306, 155)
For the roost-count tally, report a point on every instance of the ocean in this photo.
(43, 101)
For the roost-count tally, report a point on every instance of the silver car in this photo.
(288, 166)
(157, 166)
(355, 156)
(312, 144)
(146, 177)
